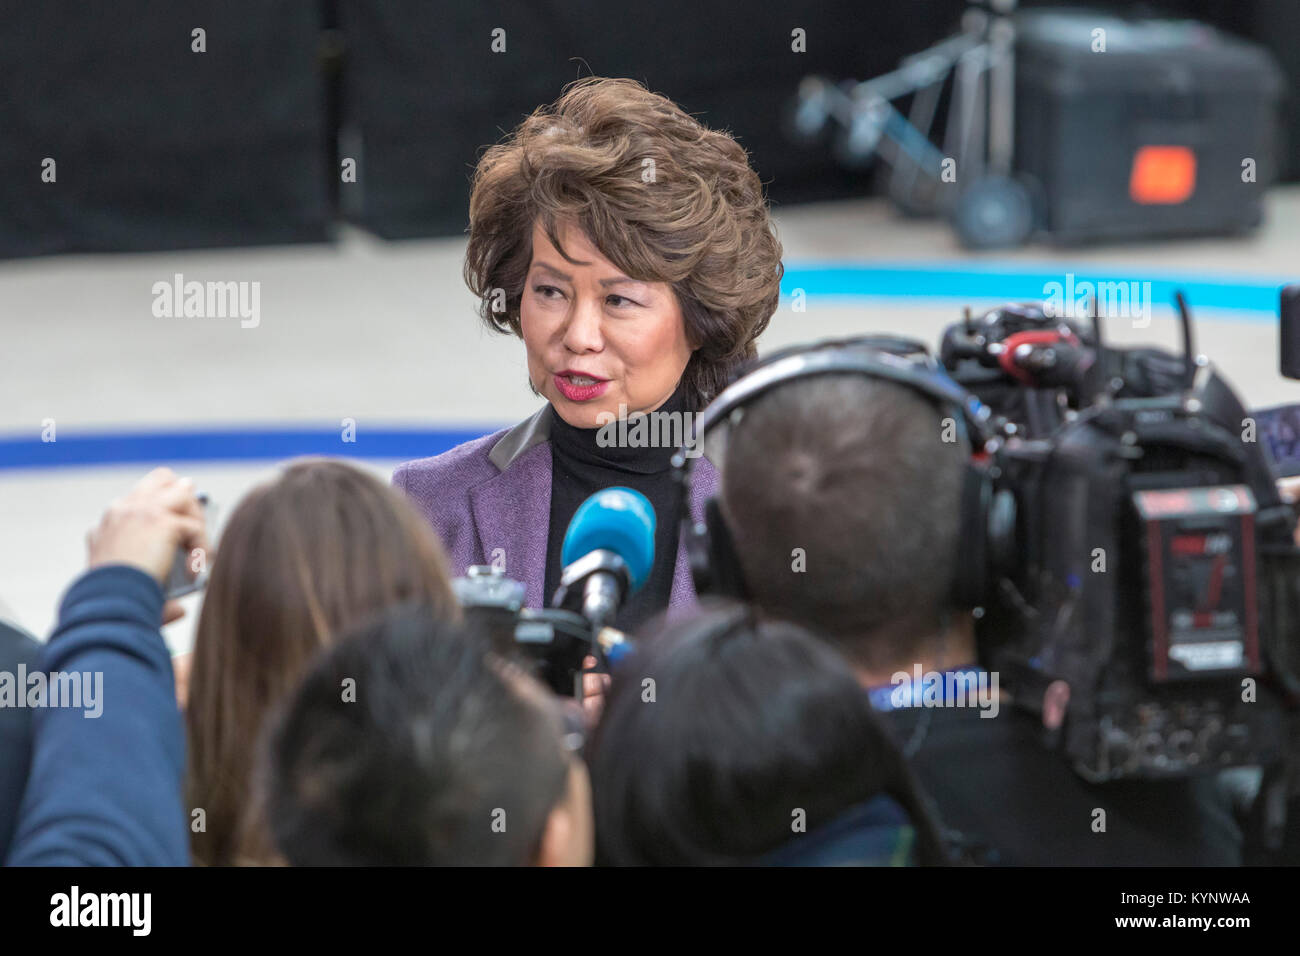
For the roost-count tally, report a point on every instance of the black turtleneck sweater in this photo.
(580, 467)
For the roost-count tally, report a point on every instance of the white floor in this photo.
(386, 334)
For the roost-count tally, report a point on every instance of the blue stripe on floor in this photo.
(1254, 297)
(225, 444)
(1238, 298)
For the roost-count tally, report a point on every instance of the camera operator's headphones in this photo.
(987, 521)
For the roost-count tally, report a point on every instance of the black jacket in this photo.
(1018, 803)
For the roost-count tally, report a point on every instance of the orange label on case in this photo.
(1162, 175)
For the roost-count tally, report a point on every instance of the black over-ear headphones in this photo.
(987, 521)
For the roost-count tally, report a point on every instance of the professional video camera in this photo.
(1142, 553)
(607, 554)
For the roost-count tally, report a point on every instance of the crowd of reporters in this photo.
(341, 707)
(338, 709)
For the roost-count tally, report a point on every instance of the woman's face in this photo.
(597, 339)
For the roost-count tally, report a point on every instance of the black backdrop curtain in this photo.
(159, 147)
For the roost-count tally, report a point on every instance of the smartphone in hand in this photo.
(185, 577)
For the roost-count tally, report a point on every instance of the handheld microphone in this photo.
(607, 554)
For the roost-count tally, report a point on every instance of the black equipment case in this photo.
(1129, 128)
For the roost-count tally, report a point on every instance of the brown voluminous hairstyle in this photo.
(303, 559)
(661, 196)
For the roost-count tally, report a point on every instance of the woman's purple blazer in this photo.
(495, 493)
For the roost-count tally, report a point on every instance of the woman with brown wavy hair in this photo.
(631, 249)
(302, 559)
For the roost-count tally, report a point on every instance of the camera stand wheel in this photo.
(994, 212)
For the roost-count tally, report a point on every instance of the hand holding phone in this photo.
(189, 571)
(150, 528)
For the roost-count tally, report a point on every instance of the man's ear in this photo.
(557, 837)
(1056, 700)
(567, 839)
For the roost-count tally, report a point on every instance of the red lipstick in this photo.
(591, 386)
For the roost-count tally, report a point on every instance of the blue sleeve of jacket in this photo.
(17, 650)
(106, 790)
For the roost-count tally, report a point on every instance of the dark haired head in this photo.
(856, 474)
(406, 744)
(731, 740)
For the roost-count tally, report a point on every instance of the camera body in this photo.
(553, 642)
(1150, 565)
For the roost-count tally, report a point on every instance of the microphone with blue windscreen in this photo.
(607, 554)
